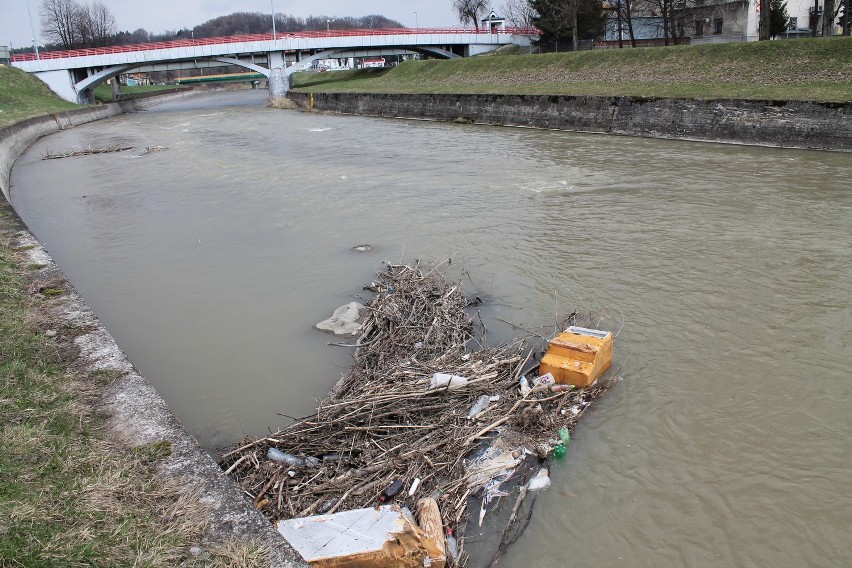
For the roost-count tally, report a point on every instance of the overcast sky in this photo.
(160, 15)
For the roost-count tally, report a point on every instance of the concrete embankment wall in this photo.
(18, 137)
(137, 413)
(15, 139)
(794, 124)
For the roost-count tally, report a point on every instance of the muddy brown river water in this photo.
(727, 271)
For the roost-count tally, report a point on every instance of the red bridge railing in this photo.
(258, 37)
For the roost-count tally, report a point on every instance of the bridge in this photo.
(72, 74)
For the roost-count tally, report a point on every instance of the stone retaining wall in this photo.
(793, 124)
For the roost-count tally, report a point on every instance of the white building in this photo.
(722, 21)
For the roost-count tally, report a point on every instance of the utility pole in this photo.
(35, 46)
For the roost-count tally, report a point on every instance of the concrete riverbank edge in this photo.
(137, 414)
(787, 124)
(16, 138)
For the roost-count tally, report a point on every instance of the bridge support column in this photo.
(60, 82)
(279, 79)
(279, 84)
(85, 97)
(116, 89)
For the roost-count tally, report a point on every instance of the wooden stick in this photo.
(236, 463)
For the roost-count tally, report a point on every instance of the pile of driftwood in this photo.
(88, 150)
(386, 420)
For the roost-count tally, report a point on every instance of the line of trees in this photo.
(69, 24)
(240, 23)
(567, 22)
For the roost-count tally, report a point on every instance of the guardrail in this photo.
(262, 37)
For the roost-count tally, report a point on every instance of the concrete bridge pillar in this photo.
(279, 80)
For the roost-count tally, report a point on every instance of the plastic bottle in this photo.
(525, 386)
(540, 480)
(288, 459)
(545, 379)
(564, 435)
(452, 545)
(480, 405)
(391, 491)
(559, 451)
(448, 382)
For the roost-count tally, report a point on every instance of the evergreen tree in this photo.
(778, 17)
(555, 20)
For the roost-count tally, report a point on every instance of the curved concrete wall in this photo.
(15, 139)
(793, 124)
(18, 137)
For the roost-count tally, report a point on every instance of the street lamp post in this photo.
(328, 25)
(272, 5)
(35, 45)
(416, 21)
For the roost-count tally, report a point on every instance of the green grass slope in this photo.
(23, 96)
(817, 69)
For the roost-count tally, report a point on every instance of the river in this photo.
(726, 270)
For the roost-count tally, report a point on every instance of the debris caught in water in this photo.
(85, 152)
(389, 418)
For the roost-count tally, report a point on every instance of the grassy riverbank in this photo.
(817, 69)
(69, 494)
(23, 96)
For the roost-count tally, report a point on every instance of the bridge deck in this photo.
(183, 43)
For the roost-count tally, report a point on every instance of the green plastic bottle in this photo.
(559, 451)
(564, 435)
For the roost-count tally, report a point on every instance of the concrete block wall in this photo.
(793, 124)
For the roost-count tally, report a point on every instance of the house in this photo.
(493, 23)
(135, 79)
(803, 18)
(721, 21)
(709, 21)
(717, 21)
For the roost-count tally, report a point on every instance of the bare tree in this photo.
(763, 23)
(829, 16)
(623, 10)
(469, 11)
(71, 25)
(519, 13)
(99, 23)
(58, 22)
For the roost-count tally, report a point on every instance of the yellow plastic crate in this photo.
(578, 356)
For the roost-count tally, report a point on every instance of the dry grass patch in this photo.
(69, 495)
